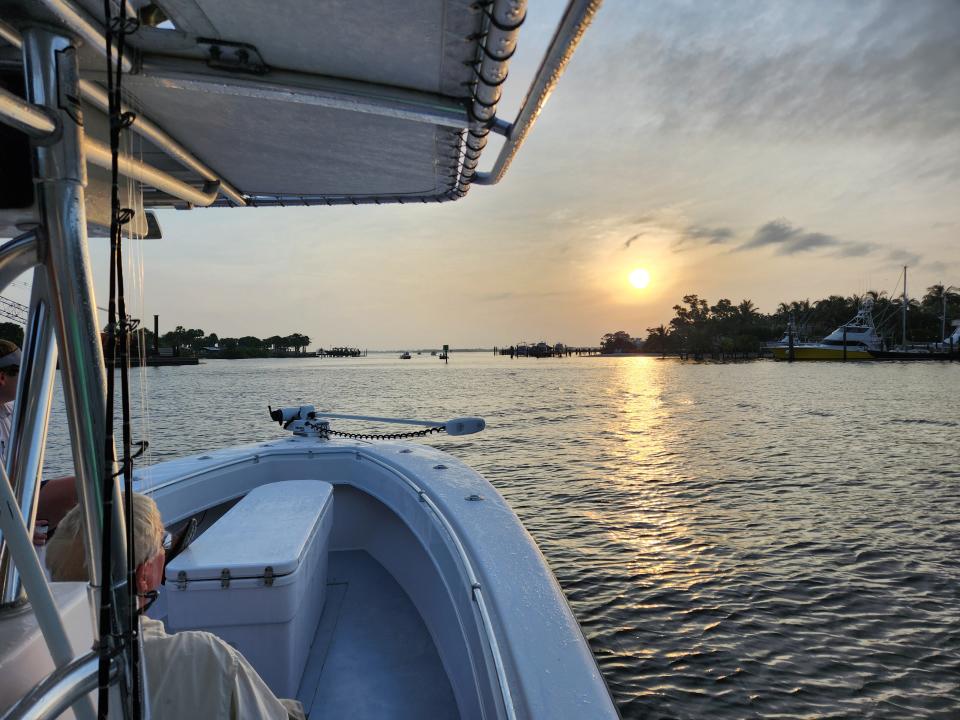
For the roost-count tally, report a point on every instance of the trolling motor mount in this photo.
(301, 420)
(305, 420)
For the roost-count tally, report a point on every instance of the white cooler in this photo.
(258, 578)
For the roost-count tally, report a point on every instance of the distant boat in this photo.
(405, 356)
(859, 335)
(433, 352)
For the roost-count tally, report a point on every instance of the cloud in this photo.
(787, 239)
(711, 236)
(501, 296)
(904, 257)
(857, 249)
(774, 232)
(809, 241)
(629, 242)
(889, 68)
(693, 235)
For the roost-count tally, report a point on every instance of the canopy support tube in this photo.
(78, 22)
(96, 95)
(577, 17)
(17, 256)
(499, 44)
(99, 154)
(9, 34)
(14, 111)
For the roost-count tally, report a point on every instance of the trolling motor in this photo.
(305, 420)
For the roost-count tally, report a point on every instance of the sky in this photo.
(741, 149)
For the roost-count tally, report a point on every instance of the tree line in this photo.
(196, 341)
(699, 327)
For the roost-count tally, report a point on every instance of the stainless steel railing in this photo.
(577, 17)
(60, 690)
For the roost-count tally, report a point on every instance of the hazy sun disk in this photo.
(639, 278)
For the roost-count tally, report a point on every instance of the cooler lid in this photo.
(272, 526)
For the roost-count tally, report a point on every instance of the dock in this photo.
(544, 350)
(341, 352)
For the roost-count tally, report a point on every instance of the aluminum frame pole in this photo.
(52, 75)
(24, 116)
(24, 462)
(10, 34)
(80, 23)
(98, 153)
(17, 256)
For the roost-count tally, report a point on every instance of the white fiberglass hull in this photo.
(504, 636)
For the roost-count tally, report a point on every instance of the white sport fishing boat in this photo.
(854, 340)
(366, 577)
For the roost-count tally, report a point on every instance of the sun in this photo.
(640, 278)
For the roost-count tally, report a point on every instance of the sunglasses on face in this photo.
(10, 370)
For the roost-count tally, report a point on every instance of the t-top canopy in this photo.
(241, 102)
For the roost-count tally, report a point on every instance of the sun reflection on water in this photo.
(658, 533)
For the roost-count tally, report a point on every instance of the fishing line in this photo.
(114, 638)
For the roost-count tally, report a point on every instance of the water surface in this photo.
(737, 540)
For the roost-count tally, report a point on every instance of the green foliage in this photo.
(618, 342)
(699, 327)
(196, 341)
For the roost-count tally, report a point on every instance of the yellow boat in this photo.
(858, 337)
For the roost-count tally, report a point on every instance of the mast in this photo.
(904, 307)
(943, 315)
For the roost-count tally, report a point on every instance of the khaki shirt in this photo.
(194, 674)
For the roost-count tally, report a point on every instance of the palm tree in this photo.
(939, 299)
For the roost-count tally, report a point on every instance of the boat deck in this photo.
(372, 656)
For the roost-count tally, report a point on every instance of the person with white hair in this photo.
(190, 674)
